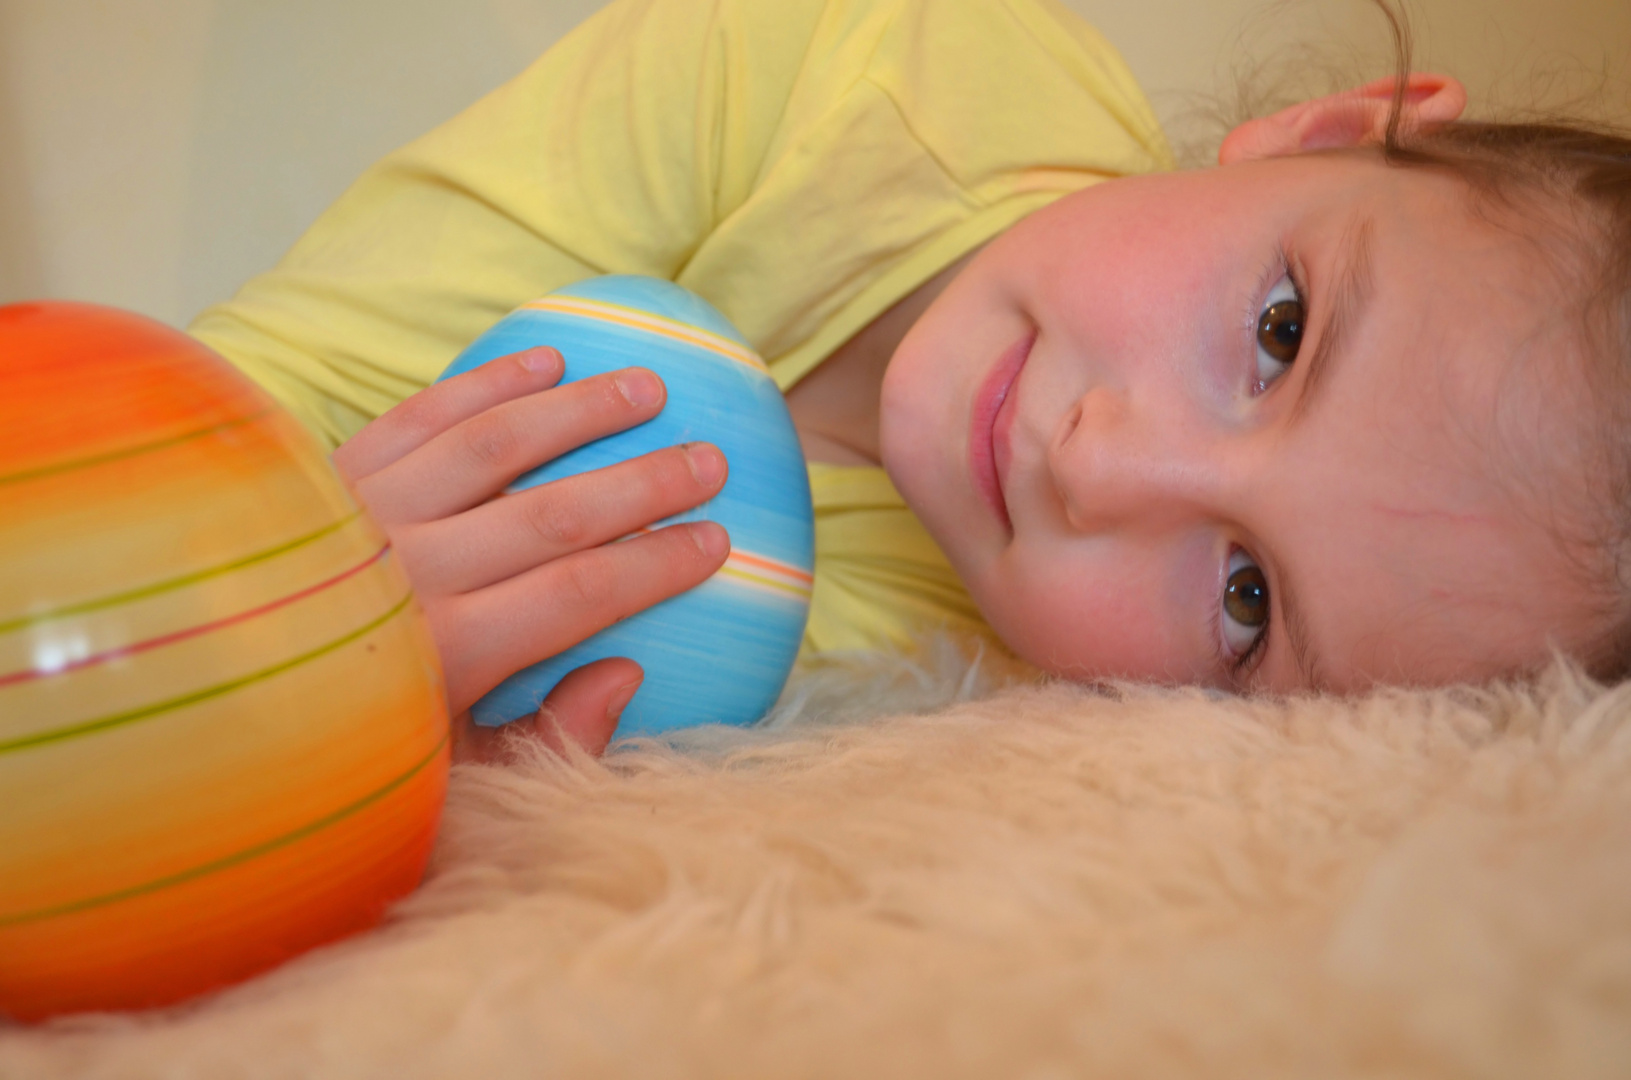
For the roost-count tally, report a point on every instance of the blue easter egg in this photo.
(721, 652)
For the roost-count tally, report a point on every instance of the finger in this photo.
(473, 461)
(442, 405)
(510, 536)
(583, 708)
(541, 613)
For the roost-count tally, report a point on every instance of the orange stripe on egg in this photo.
(654, 324)
(760, 581)
(757, 571)
(760, 571)
(779, 568)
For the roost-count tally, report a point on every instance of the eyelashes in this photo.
(1279, 333)
(1243, 615)
(1277, 321)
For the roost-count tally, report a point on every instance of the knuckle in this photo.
(490, 441)
(586, 584)
(420, 416)
(559, 521)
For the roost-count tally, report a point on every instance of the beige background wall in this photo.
(154, 153)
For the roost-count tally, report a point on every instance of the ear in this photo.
(1346, 119)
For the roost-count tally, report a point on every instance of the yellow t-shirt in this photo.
(801, 164)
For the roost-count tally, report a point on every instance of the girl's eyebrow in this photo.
(1350, 294)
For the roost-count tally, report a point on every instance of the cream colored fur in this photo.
(1051, 881)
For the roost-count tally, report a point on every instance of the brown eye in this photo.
(1280, 329)
(1245, 615)
(1246, 597)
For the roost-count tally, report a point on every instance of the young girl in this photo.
(1335, 412)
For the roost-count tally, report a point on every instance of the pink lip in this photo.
(992, 419)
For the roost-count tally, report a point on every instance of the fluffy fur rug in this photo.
(907, 874)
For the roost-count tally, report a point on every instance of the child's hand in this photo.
(507, 582)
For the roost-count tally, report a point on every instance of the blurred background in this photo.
(156, 153)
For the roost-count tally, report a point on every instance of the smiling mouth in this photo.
(992, 417)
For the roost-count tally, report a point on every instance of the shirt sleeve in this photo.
(617, 152)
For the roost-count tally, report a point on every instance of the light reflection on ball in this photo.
(223, 733)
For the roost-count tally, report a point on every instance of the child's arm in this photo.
(507, 582)
(617, 152)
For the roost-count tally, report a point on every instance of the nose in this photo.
(1120, 465)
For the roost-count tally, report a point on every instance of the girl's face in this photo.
(1287, 423)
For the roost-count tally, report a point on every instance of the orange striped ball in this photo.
(223, 735)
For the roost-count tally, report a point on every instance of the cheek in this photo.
(1088, 621)
(1134, 304)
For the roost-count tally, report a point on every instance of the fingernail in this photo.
(538, 359)
(707, 464)
(620, 700)
(710, 539)
(640, 387)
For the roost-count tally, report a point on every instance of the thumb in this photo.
(586, 705)
(583, 709)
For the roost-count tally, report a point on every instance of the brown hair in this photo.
(1584, 168)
